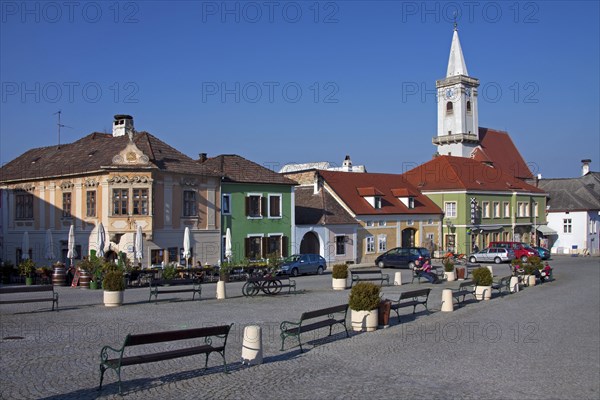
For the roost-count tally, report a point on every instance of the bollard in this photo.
(514, 284)
(491, 270)
(252, 345)
(398, 279)
(447, 300)
(221, 290)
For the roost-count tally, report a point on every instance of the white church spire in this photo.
(456, 62)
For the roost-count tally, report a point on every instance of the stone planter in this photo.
(450, 276)
(364, 320)
(483, 292)
(339, 283)
(531, 280)
(113, 299)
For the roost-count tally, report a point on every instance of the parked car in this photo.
(521, 250)
(495, 254)
(403, 257)
(543, 252)
(303, 264)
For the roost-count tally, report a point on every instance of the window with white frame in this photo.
(410, 222)
(253, 206)
(520, 209)
(120, 201)
(506, 205)
(382, 223)
(450, 209)
(485, 209)
(226, 204)
(382, 243)
(527, 209)
(370, 244)
(140, 201)
(567, 225)
(377, 202)
(369, 223)
(496, 209)
(274, 206)
(535, 209)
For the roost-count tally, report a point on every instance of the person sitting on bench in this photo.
(425, 271)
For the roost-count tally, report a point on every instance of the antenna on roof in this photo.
(455, 24)
(59, 125)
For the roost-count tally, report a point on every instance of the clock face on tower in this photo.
(449, 93)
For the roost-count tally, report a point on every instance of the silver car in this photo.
(495, 254)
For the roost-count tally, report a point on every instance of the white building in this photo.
(574, 212)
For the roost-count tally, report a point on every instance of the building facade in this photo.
(123, 180)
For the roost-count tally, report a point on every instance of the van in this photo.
(521, 250)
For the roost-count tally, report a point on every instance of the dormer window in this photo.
(405, 196)
(372, 196)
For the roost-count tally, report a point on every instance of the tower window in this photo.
(449, 107)
(468, 106)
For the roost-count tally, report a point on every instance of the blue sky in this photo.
(280, 82)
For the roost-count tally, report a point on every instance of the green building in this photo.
(481, 203)
(257, 206)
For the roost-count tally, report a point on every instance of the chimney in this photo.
(122, 124)
(202, 157)
(347, 164)
(585, 167)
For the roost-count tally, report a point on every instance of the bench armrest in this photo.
(105, 355)
(285, 325)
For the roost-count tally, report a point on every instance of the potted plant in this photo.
(364, 303)
(26, 269)
(449, 272)
(339, 276)
(530, 274)
(113, 285)
(169, 272)
(482, 278)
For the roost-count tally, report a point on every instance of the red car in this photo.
(521, 250)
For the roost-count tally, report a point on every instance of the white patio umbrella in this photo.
(71, 253)
(186, 245)
(25, 246)
(100, 240)
(139, 245)
(49, 246)
(228, 249)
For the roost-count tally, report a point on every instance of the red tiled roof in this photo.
(460, 173)
(403, 192)
(345, 185)
(498, 147)
(236, 168)
(320, 208)
(368, 191)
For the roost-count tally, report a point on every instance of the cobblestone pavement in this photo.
(540, 343)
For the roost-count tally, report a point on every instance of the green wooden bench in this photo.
(115, 359)
(29, 289)
(465, 288)
(502, 285)
(312, 320)
(412, 299)
(369, 275)
(158, 286)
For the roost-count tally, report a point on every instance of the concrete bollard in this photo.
(491, 269)
(398, 279)
(514, 284)
(447, 300)
(252, 345)
(221, 290)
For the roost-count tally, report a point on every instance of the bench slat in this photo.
(165, 355)
(27, 289)
(167, 336)
(324, 311)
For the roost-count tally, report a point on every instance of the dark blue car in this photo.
(544, 253)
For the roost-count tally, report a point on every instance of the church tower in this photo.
(458, 125)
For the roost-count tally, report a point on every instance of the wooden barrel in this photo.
(59, 276)
(84, 280)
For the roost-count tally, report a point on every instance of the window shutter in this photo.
(247, 245)
(284, 246)
(264, 206)
(247, 206)
(265, 247)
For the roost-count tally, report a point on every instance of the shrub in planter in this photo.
(482, 276)
(535, 262)
(169, 272)
(340, 271)
(113, 281)
(448, 264)
(364, 302)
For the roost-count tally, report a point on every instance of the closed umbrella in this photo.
(139, 246)
(49, 246)
(186, 245)
(25, 246)
(71, 253)
(228, 249)
(100, 240)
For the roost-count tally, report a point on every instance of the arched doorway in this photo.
(408, 237)
(310, 244)
(111, 256)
